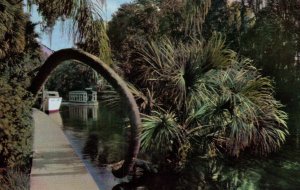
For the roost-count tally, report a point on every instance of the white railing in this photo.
(82, 96)
(78, 96)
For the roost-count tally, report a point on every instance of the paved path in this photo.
(55, 164)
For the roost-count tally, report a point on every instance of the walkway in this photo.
(55, 164)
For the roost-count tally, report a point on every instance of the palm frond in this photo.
(144, 98)
(247, 109)
(177, 71)
(195, 14)
(160, 133)
(83, 13)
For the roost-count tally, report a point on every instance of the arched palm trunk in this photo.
(120, 86)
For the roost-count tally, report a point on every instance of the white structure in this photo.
(86, 97)
(51, 101)
(78, 96)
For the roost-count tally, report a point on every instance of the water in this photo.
(98, 136)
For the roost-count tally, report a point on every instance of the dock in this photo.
(55, 164)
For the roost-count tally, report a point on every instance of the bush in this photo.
(15, 125)
(16, 180)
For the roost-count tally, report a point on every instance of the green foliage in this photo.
(216, 19)
(267, 32)
(19, 51)
(12, 38)
(160, 129)
(72, 76)
(129, 27)
(83, 13)
(216, 100)
(273, 47)
(181, 68)
(141, 21)
(15, 125)
(220, 89)
(19, 55)
(16, 180)
(87, 27)
(98, 45)
(195, 12)
(247, 111)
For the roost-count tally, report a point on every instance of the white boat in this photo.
(51, 101)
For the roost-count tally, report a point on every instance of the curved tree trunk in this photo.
(120, 86)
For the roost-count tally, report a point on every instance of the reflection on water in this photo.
(98, 138)
(104, 152)
(83, 112)
(101, 141)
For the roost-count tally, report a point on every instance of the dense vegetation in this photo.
(193, 66)
(19, 54)
(198, 92)
(73, 76)
(266, 32)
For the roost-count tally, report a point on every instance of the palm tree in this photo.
(205, 94)
(247, 111)
(180, 69)
(212, 97)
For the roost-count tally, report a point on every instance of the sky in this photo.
(60, 38)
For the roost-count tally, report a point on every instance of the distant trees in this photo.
(130, 26)
(274, 45)
(72, 76)
(268, 33)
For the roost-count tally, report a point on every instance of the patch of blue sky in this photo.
(60, 37)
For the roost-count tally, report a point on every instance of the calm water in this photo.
(98, 135)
